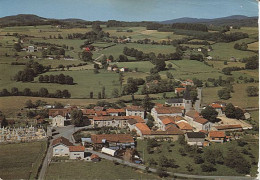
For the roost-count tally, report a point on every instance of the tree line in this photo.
(59, 79)
(31, 70)
(43, 92)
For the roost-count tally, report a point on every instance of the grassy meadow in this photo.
(21, 161)
(89, 170)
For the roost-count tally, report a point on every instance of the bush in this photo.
(207, 167)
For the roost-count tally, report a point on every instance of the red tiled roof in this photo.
(88, 111)
(115, 110)
(76, 148)
(168, 120)
(180, 89)
(201, 120)
(61, 140)
(184, 126)
(101, 113)
(55, 112)
(122, 138)
(168, 110)
(217, 134)
(235, 126)
(94, 156)
(215, 106)
(145, 130)
(192, 113)
(170, 130)
(135, 108)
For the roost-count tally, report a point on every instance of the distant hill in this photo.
(30, 20)
(238, 20)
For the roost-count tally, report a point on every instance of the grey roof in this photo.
(175, 100)
(195, 135)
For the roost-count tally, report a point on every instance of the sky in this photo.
(129, 10)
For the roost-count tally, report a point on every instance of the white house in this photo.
(61, 147)
(135, 111)
(166, 111)
(58, 121)
(195, 138)
(31, 49)
(76, 152)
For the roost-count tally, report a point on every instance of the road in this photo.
(66, 132)
(198, 101)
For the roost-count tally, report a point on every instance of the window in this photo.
(56, 150)
(62, 150)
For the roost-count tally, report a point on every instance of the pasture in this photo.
(254, 46)
(189, 69)
(21, 161)
(224, 51)
(238, 98)
(89, 170)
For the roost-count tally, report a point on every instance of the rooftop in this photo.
(195, 135)
(135, 108)
(168, 110)
(224, 127)
(61, 140)
(184, 126)
(120, 138)
(192, 113)
(201, 120)
(217, 134)
(145, 130)
(76, 148)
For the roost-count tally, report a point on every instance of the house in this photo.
(133, 120)
(109, 68)
(123, 69)
(58, 121)
(142, 129)
(101, 113)
(171, 133)
(209, 58)
(112, 141)
(195, 138)
(63, 112)
(217, 136)
(179, 90)
(135, 111)
(181, 102)
(231, 127)
(116, 112)
(110, 121)
(76, 152)
(30, 49)
(199, 49)
(61, 147)
(184, 126)
(165, 111)
(219, 107)
(191, 115)
(163, 121)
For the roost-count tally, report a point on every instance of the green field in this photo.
(21, 161)
(90, 170)
(189, 69)
(224, 51)
(238, 98)
(142, 66)
(171, 150)
(253, 46)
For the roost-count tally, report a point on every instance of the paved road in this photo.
(66, 132)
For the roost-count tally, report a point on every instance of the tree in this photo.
(210, 114)
(230, 111)
(91, 95)
(224, 94)
(41, 79)
(147, 103)
(252, 91)
(29, 104)
(58, 105)
(193, 95)
(207, 167)
(198, 159)
(66, 93)
(15, 91)
(169, 65)
(77, 118)
(86, 56)
(115, 93)
(130, 88)
(43, 92)
(103, 92)
(99, 95)
(239, 114)
(4, 122)
(27, 92)
(17, 47)
(235, 160)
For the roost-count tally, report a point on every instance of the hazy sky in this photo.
(129, 10)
